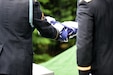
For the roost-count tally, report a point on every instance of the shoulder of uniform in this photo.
(85, 1)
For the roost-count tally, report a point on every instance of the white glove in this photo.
(49, 19)
(54, 23)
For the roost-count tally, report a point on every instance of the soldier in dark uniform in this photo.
(95, 37)
(16, 36)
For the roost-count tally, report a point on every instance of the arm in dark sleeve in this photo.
(84, 37)
(45, 29)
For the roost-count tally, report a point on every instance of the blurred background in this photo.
(62, 10)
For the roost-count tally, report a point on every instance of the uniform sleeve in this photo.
(45, 29)
(84, 37)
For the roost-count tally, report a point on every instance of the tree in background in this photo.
(62, 10)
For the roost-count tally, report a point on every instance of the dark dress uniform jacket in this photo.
(16, 36)
(95, 36)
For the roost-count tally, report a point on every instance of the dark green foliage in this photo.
(39, 58)
(62, 10)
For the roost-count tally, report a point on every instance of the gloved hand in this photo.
(54, 23)
(67, 29)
